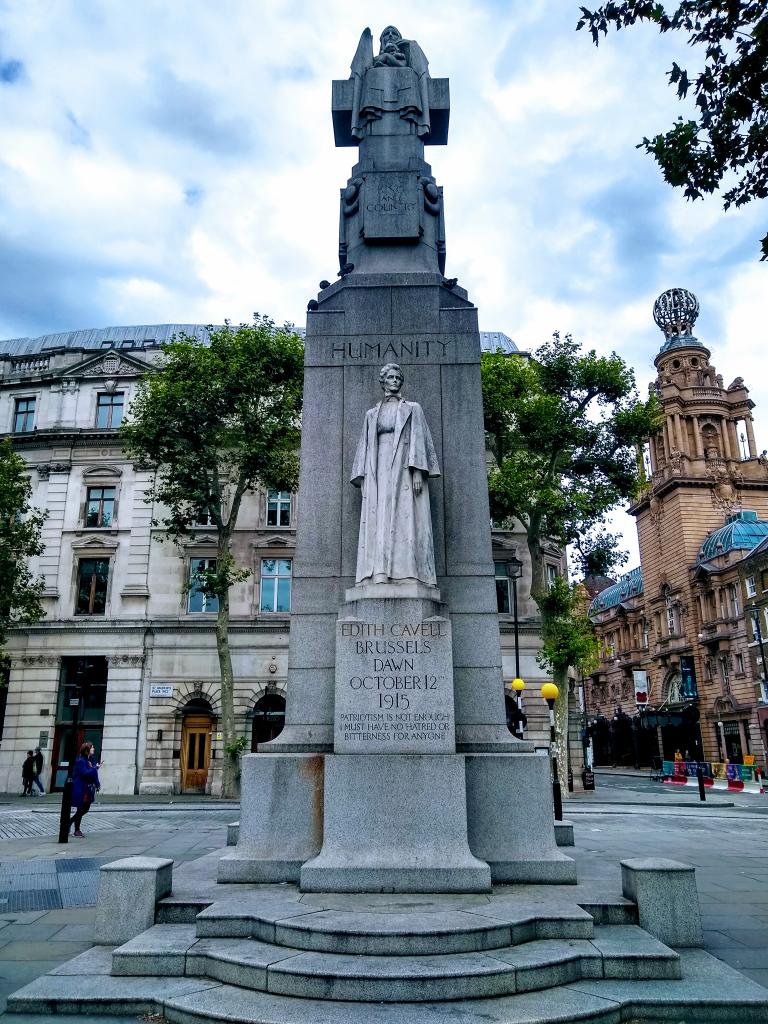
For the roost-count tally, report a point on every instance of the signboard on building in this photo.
(160, 690)
(689, 689)
(640, 677)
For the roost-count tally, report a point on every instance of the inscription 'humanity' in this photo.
(394, 687)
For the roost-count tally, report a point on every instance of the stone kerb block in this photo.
(666, 898)
(128, 892)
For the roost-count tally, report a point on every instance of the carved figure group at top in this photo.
(394, 81)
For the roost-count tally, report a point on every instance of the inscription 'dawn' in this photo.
(418, 348)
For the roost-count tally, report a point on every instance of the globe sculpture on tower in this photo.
(675, 312)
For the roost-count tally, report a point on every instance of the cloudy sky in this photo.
(173, 161)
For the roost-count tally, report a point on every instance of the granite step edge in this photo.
(375, 934)
(710, 992)
(259, 966)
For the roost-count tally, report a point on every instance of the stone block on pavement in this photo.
(128, 892)
(666, 898)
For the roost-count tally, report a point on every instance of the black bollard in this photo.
(557, 796)
(700, 780)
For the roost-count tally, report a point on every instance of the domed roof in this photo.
(630, 585)
(741, 532)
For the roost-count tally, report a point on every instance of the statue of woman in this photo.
(394, 455)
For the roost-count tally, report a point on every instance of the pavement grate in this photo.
(48, 884)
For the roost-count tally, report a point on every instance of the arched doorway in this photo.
(268, 719)
(196, 730)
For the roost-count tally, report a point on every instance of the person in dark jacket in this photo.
(39, 761)
(85, 782)
(28, 774)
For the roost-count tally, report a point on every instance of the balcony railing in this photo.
(30, 364)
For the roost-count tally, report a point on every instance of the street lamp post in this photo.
(514, 572)
(518, 686)
(74, 696)
(550, 694)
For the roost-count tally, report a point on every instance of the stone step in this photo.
(424, 930)
(710, 992)
(614, 952)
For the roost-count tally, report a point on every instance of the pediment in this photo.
(102, 471)
(110, 363)
(95, 543)
(275, 541)
(202, 540)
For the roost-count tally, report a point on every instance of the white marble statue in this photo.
(394, 455)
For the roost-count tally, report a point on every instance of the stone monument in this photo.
(395, 770)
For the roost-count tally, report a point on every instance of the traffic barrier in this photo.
(733, 778)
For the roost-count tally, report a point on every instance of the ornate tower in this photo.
(703, 471)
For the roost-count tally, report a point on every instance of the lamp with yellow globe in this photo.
(518, 686)
(550, 694)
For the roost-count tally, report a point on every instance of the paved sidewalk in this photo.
(726, 844)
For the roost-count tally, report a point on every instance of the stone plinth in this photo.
(511, 819)
(281, 818)
(395, 823)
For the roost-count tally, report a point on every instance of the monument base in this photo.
(281, 818)
(510, 823)
(395, 824)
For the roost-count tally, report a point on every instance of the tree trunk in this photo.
(229, 764)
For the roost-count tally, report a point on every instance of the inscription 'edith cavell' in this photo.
(396, 691)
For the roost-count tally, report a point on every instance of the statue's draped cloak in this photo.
(395, 524)
(379, 89)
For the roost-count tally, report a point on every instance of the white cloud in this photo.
(175, 162)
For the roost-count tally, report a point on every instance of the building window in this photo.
(645, 635)
(275, 585)
(725, 673)
(671, 616)
(92, 580)
(100, 506)
(200, 599)
(24, 415)
(740, 664)
(109, 410)
(552, 575)
(503, 604)
(733, 593)
(751, 588)
(278, 508)
(708, 669)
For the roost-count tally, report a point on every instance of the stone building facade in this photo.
(121, 628)
(673, 631)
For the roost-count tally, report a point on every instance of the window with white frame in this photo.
(109, 410)
(503, 604)
(100, 506)
(276, 584)
(278, 508)
(552, 575)
(751, 587)
(199, 597)
(645, 635)
(671, 612)
(733, 594)
(24, 415)
(740, 664)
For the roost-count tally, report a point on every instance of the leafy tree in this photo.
(216, 421)
(20, 529)
(563, 428)
(730, 133)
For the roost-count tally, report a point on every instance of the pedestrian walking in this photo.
(39, 761)
(27, 774)
(85, 782)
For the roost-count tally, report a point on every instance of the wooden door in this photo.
(195, 753)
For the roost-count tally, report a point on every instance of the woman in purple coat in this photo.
(85, 782)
